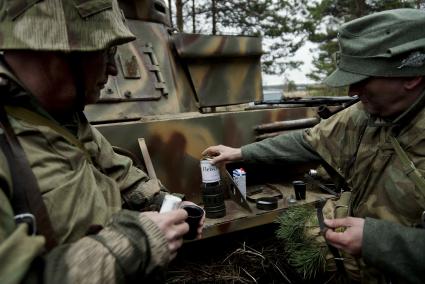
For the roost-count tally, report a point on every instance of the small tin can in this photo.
(239, 176)
(170, 203)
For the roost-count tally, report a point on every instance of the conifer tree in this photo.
(326, 16)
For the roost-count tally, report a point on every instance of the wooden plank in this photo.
(147, 158)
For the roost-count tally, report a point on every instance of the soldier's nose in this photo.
(354, 90)
(111, 68)
(353, 93)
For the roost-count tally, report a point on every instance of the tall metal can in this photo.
(212, 190)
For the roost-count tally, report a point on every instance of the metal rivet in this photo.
(127, 94)
(109, 91)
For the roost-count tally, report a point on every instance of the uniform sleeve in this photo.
(139, 192)
(130, 247)
(283, 149)
(395, 249)
(328, 141)
(335, 139)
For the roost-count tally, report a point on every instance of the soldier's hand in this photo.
(351, 239)
(223, 154)
(173, 225)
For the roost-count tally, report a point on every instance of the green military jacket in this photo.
(358, 148)
(381, 189)
(80, 192)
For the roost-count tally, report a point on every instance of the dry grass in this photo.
(258, 259)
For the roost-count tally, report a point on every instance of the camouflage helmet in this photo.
(61, 25)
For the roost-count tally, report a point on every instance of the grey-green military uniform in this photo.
(382, 191)
(80, 192)
(80, 186)
(358, 147)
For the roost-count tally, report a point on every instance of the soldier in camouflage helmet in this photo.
(377, 145)
(57, 55)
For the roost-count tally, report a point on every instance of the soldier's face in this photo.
(97, 66)
(384, 97)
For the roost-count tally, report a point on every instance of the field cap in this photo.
(62, 25)
(385, 44)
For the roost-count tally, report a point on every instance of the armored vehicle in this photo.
(178, 93)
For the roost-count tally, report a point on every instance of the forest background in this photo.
(286, 26)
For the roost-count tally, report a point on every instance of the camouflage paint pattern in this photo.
(163, 87)
(170, 91)
(150, 11)
(175, 142)
(151, 71)
(225, 70)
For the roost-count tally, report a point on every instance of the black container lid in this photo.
(266, 203)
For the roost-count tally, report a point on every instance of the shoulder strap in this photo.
(26, 200)
(33, 117)
(408, 166)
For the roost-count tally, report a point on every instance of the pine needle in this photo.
(304, 252)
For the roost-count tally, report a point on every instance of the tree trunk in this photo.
(360, 8)
(179, 14)
(214, 14)
(193, 17)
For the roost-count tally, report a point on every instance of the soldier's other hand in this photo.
(351, 239)
(173, 226)
(223, 154)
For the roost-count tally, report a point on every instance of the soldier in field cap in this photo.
(69, 205)
(377, 146)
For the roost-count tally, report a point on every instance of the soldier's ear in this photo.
(413, 82)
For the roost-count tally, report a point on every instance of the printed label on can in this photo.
(170, 203)
(210, 173)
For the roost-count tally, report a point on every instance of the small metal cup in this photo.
(195, 214)
(299, 189)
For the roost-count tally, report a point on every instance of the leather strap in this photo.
(408, 166)
(317, 183)
(339, 261)
(35, 118)
(26, 199)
